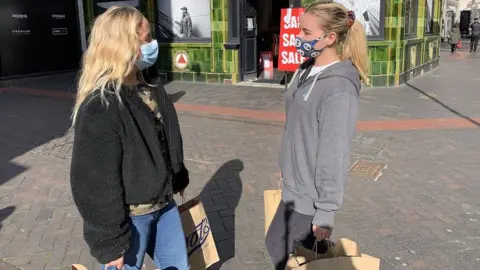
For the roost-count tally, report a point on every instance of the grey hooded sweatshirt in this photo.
(315, 148)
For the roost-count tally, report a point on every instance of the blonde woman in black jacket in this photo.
(127, 155)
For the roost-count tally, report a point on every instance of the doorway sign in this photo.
(289, 59)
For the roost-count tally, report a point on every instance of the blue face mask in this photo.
(306, 48)
(149, 55)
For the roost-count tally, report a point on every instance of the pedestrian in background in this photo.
(454, 37)
(127, 159)
(475, 35)
(322, 107)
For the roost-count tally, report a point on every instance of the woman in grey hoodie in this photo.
(322, 109)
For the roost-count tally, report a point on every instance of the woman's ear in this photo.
(331, 39)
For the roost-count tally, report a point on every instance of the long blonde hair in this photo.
(111, 54)
(351, 40)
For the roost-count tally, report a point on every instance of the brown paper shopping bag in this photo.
(344, 256)
(271, 200)
(202, 252)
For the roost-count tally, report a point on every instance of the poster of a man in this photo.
(186, 27)
(183, 19)
(367, 12)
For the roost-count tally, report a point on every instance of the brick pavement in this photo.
(422, 213)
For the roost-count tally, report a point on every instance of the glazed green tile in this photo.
(393, 67)
(393, 53)
(207, 55)
(227, 67)
(225, 77)
(217, 26)
(206, 67)
(218, 67)
(228, 55)
(376, 68)
(214, 15)
(217, 4)
(379, 81)
(219, 56)
(371, 53)
(200, 77)
(176, 76)
(233, 67)
(218, 36)
(188, 76)
(381, 54)
(218, 46)
(213, 78)
(391, 80)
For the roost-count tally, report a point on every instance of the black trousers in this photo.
(288, 229)
(454, 47)
(474, 43)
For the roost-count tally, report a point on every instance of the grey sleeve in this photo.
(337, 121)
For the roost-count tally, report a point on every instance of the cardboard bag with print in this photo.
(202, 252)
(271, 200)
(345, 255)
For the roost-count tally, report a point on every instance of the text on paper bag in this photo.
(196, 239)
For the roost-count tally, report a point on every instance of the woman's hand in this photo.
(118, 264)
(180, 192)
(322, 233)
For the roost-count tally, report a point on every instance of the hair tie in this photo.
(351, 18)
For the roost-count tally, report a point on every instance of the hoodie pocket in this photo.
(299, 184)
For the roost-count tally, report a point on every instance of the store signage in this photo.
(289, 59)
(181, 60)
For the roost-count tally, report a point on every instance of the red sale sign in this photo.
(289, 59)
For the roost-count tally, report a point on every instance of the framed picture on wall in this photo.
(429, 16)
(370, 13)
(183, 21)
(102, 5)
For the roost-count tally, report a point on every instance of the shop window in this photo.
(411, 16)
(429, 8)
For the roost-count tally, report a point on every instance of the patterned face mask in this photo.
(306, 48)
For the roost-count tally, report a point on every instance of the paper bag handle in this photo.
(330, 246)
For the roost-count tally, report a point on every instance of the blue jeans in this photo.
(160, 235)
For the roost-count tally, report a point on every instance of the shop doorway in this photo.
(260, 42)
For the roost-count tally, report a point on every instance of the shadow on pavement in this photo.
(5, 213)
(27, 123)
(176, 96)
(469, 119)
(220, 197)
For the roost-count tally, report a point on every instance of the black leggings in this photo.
(454, 47)
(287, 229)
(473, 43)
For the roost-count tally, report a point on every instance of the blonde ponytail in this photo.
(355, 49)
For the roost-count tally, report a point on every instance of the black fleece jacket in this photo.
(117, 161)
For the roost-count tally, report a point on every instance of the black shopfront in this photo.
(38, 36)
